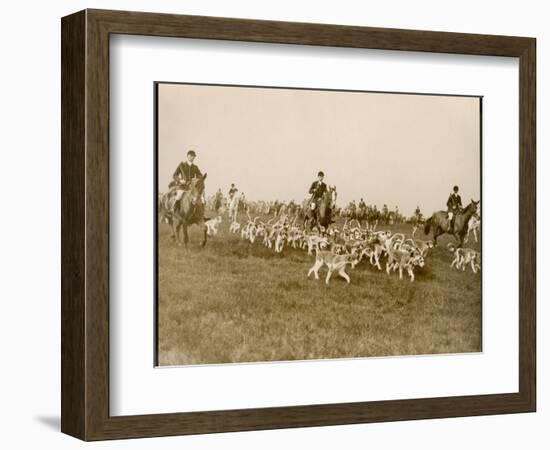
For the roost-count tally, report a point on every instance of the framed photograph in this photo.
(273, 225)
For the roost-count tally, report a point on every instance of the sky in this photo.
(400, 149)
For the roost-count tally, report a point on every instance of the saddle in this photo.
(173, 185)
(451, 222)
(450, 225)
(175, 194)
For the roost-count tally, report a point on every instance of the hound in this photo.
(271, 236)
(314, 241)
(403, 259)
(373, 254)
(294, 236)
(334, 263)
(474, 259)
(473, 226)
(423, 246)
(280, 241)
(377, 244)
(465, 256)
(212, 225)
(234, 227)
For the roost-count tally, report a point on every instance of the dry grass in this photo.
(238, 302)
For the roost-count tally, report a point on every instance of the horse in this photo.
(218, 202)
(188, 210)
(439, 223)
(321, 217)
(362, 215)
(233, 208)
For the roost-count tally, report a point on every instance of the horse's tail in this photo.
(428, 225)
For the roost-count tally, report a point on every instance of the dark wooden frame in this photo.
(85, 224)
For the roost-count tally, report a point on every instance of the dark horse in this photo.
(188, 210)
(440, 224)
(321, 218)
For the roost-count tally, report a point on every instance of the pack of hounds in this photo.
(339, 248)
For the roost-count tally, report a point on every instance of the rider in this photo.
(417, 215)
(454, 206)
(184, 173)
(317, 190)
(218, 200)
(242, 201)
(232, 191)
(362, 204)
(352, 207)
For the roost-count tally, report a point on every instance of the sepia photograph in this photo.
(311, 224)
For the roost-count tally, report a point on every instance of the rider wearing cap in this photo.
(454, 206)
(186, 171)
(181, 179)
(317, 190)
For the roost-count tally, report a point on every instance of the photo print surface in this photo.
(306, 224)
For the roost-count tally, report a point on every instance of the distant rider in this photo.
(218, 199)
(232, 191)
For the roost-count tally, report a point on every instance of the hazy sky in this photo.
(397, 149)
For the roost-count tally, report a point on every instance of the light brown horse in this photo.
(188, 210)
(440, 224)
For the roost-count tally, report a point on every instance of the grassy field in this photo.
(239, 302)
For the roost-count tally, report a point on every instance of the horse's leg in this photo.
(329, 273)
(174, 231)
(185, 235)
(436, 234)
(178, 231)
(204, 237)
(344, 275)
(170, 223)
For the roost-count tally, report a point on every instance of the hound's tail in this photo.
(428, 226)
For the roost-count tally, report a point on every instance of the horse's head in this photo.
(197, 185)
(331, 196)
(196, 188)
(472, 207)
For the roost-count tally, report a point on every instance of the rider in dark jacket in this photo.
(181, 179)
(454, 206)
(317, 190)
(186, 171)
